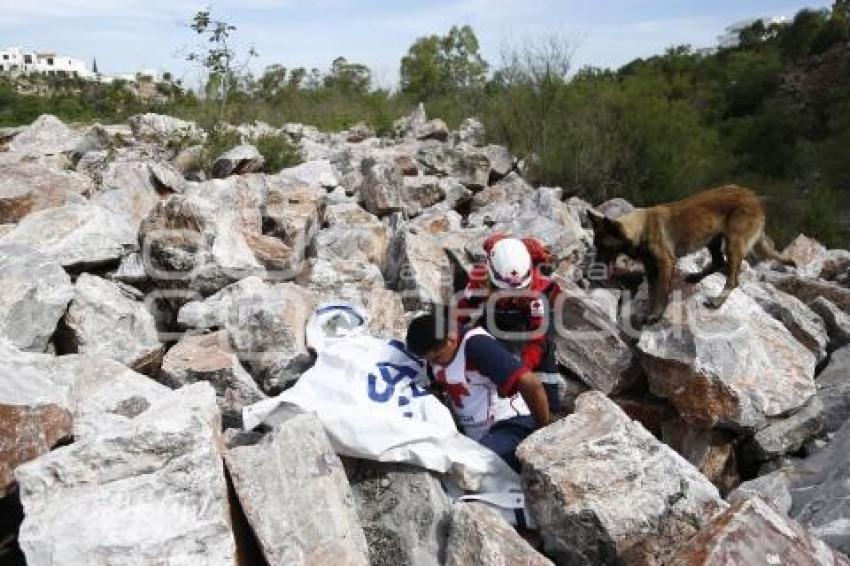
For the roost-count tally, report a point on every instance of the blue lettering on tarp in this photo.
(391, 375)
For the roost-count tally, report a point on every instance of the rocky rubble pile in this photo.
(141, 309)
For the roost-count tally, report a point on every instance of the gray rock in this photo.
(418, 268)
(200, 243)
(615, 207)
(469, 165)
(773, 488)
(76, 236)
(420, 192)
(213, 311)
(151, 489)
(408, 125)
(590, 344)
(471, 132)
(266, 327)
(501, 160)
(404, 513)
(129, 188)
(789, 434)
(820, 488)
(103, 320)
(316, 173)
(753, 532)
(353, 234)
(834, 390)
(29, 187)
(36, 413)
(131, 270)
(238, 161)
(735, 367)
(301, 509)
(837, 322)
(46, 136)
(480, 535)
(712, 452)
(210, 358)
(157, 128)
(105, 393)
(166, 177)
(34, 293)
(801, 321)
(382, 186)
(808, 290)
(578, 500)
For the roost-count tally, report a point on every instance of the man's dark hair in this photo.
(428, 332)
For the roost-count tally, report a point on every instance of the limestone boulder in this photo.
(109, 321)
(471, 131)
(29, 187)
(382, 186)
(237, 161)
(34, 293)
(789, 434)
(735, 367)
(210, 357)
(351, 234)
(76, 236)
(46, 136)
(36, 413)
(267, 331)
(129, 188)
(753, 532)
(808, 289)
(589, 343)
(834, 390)
(773, 488)
(301, 508)
(712, 452)
(580, 473)
(151, 489)
(480, 535)
(837, 322)
(161, 129)
(314, 173)
(501, 160)
(800, 320)
(404, 512)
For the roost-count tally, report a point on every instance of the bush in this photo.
(278, 152)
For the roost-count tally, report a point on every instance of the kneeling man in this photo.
(496, 400)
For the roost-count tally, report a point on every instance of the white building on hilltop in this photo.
(15, 60)
(732, 35)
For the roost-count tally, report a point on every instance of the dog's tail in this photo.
(765, 249)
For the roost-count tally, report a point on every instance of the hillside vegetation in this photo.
(773, 113)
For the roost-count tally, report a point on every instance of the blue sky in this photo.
(128, 35)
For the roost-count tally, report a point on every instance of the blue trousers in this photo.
(504, 436)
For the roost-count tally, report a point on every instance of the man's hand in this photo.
(534, 395)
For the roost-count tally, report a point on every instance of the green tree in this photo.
(435, 66)
(348, 78)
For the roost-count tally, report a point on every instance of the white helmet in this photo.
(509, 264)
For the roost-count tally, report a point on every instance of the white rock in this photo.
(603, 490)
(151, 490)
(480, 535)
(29, 187)
(34, 293)
(104, 321)
(734, 367)
(293, 491)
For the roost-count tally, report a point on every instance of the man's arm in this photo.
(534, 395)
(494, 361)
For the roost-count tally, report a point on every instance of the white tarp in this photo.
(368, 394)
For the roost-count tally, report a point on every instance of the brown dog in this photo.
(730, 218)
